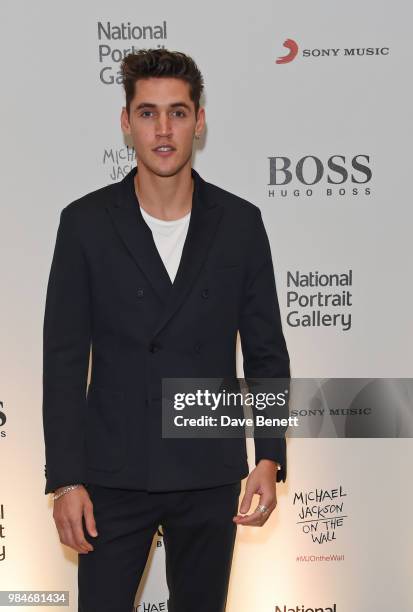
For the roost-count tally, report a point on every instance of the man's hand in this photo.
(262, 481)
(67, 513)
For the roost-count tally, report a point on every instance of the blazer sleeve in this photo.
(264, 349)
(66, 349)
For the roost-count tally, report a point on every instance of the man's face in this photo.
(162, 114)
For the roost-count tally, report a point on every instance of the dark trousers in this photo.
(198, 534)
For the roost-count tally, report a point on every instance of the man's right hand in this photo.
(67, 513)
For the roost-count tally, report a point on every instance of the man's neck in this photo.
(165, 197)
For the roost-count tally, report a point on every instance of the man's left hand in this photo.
(261, 481)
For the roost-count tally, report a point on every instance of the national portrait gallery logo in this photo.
(116, 40)
(304, 608)
(317, 299)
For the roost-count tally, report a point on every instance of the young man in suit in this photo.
(156, 275)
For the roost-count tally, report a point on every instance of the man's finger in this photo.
(246, 500)
(79, 536)
(90, 520)
(257, 518)
(66, 536)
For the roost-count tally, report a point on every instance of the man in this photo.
(156, 274)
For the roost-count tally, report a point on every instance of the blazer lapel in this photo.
(137, 236)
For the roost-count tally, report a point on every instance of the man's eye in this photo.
(178, 113)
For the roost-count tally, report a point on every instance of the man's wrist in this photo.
(270, 461)
(57, 493)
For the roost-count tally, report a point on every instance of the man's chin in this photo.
(165, 170)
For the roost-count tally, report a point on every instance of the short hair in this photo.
(147, 63)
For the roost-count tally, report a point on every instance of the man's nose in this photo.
(163, 125)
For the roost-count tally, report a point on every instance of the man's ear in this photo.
(200, 120)
(124, 121)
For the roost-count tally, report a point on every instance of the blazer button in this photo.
(205, 293)
(140, 292)
(154, 346)
(197, 347)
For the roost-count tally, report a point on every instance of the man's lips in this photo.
(164, 150)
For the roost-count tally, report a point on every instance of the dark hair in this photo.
(146, 63)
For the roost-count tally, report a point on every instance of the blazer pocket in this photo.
(105, 429)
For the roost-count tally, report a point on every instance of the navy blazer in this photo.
(110, 297)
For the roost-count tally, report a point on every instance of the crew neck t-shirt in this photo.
(169, 238)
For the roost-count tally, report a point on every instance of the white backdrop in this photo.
(61, 138)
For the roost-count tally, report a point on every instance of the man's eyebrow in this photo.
(184, 104)
(152, 105)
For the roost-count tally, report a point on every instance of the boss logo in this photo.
(310, 170)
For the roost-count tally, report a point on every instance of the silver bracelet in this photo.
(65, 490)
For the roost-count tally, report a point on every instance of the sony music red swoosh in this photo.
(292, 47)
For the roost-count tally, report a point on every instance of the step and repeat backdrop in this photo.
(308, 108)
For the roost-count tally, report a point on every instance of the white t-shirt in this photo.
(169, 237)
